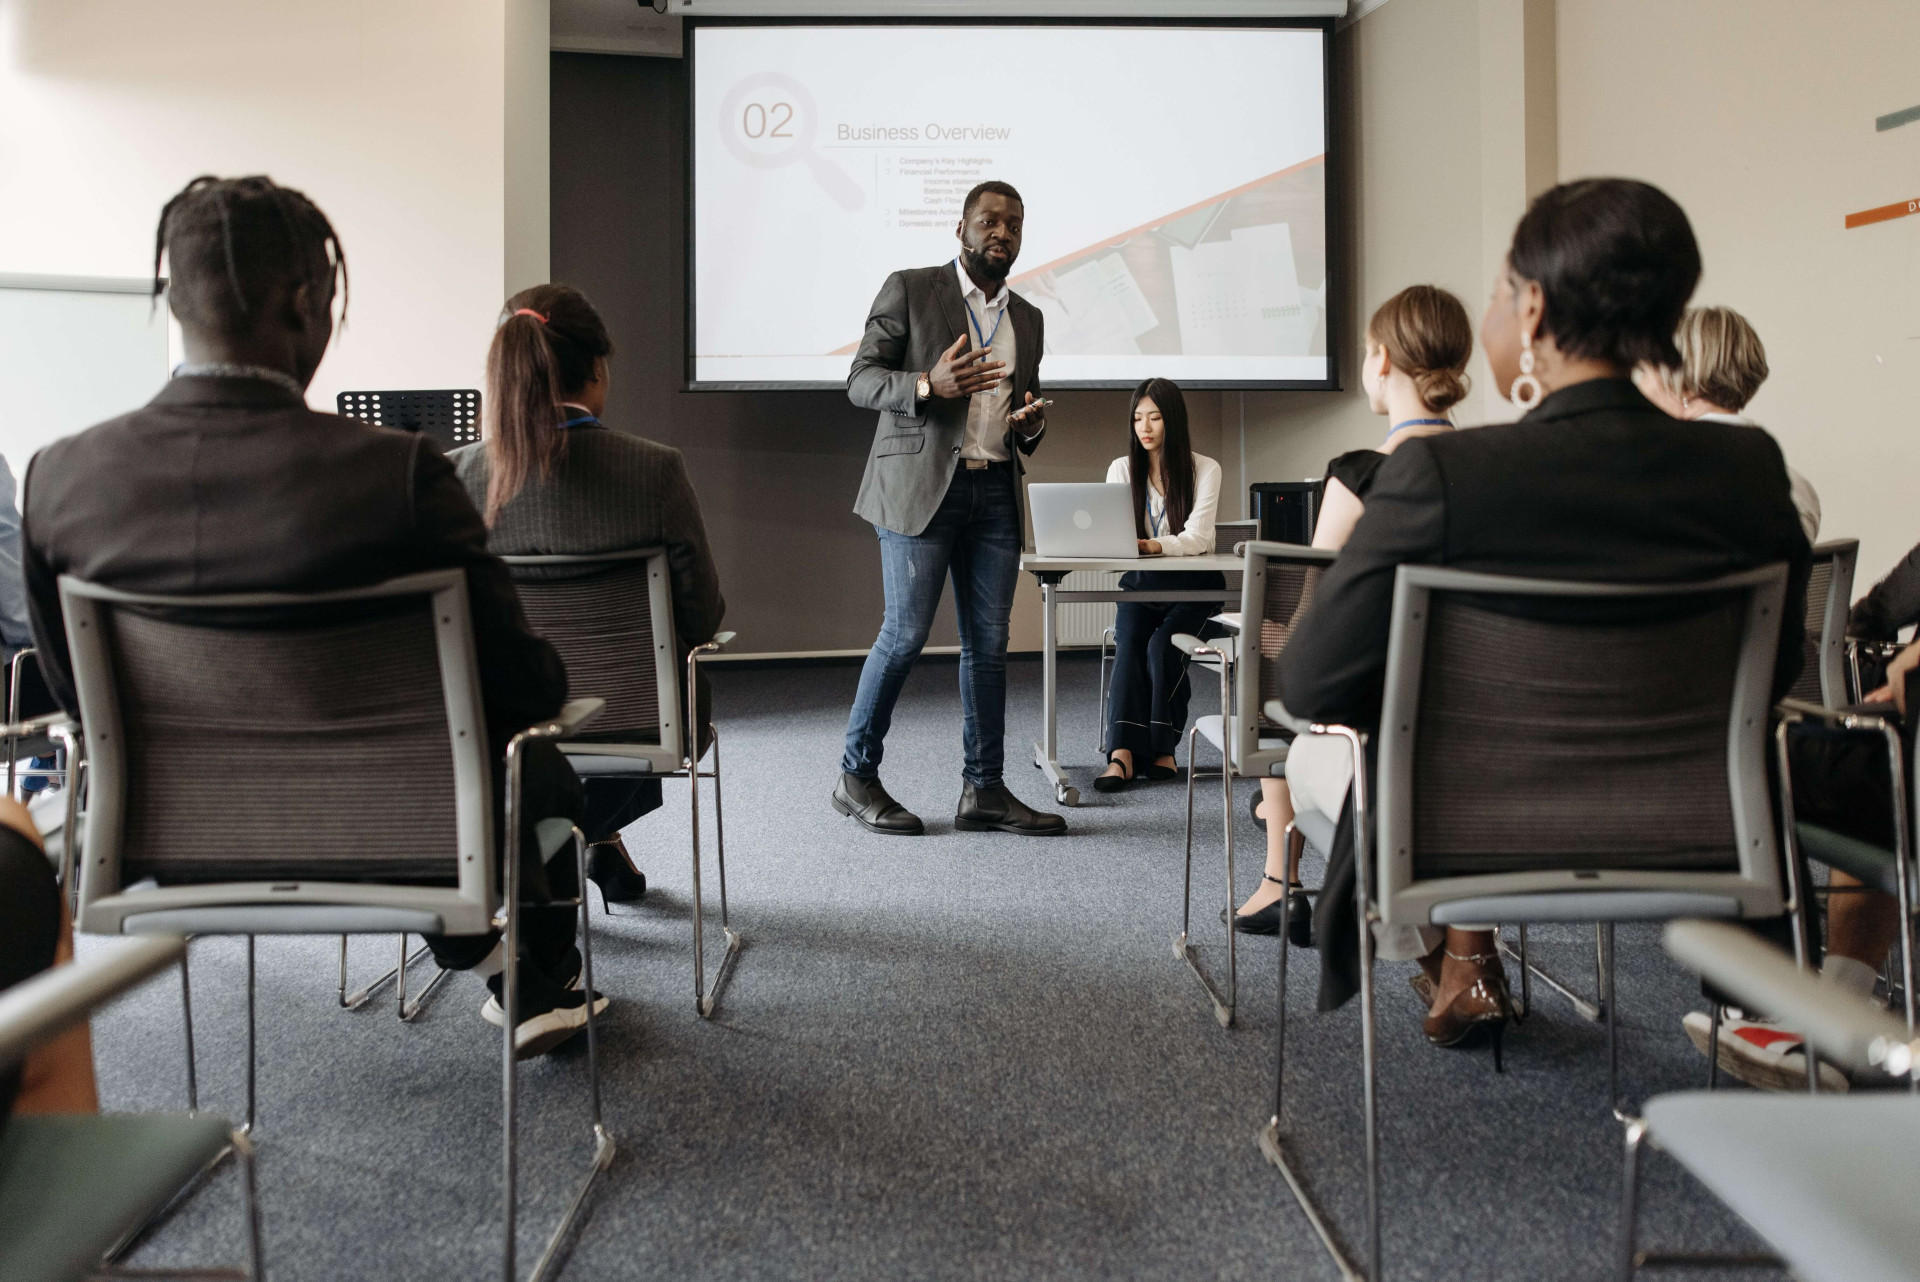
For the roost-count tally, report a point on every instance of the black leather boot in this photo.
(866, 802)
(991, 809)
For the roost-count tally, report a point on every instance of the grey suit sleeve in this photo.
(698, 606)
(1334, 666)
(877, 380)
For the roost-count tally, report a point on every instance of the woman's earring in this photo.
(1526, 391)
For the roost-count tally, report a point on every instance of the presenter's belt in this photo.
(982, 464)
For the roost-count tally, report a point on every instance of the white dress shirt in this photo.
(1806, 501)
(1196, 536)
(987, 412)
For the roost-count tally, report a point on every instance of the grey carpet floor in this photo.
(963, 1056)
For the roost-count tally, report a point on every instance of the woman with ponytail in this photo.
(1414, 373)
(552, 479)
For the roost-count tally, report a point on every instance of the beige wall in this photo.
(418, 125)
(1445, 122)
(1758, 117)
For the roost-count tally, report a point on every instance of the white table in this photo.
(1049, 570)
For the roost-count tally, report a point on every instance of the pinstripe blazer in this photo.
(611, 492)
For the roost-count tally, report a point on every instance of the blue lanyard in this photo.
(987, 340)
(1417, 422)
(1154, 523)
(580, 420)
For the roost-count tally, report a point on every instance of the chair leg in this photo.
(1713, 1047)
(1630, 1202)
(603, 1144)
(186, 1022)
(1233, 936)
(1182, 947)
(252, 1059)
(706, 1000)
(359, 998)
(409, 1010)
(1280, 1021)
(250, 1203)
(1610, 1005)
(1368, 1058)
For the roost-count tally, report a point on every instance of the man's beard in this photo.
(983, 268)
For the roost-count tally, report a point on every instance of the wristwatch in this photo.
(923, 389)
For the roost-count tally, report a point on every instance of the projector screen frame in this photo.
(1334, 293)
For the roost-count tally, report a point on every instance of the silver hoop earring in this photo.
(1526, 390)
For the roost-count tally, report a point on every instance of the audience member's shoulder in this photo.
(469, 460)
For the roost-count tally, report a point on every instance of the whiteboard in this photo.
(74, 350)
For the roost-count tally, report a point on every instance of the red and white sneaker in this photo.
(1762, 1055)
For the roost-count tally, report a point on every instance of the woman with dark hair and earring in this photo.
(552, 479)
(1594, 483)
(1175, 495)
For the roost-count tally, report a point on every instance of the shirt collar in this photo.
(258, 373)
(969, 290)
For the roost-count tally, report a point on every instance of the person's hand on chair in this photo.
(1895, 690)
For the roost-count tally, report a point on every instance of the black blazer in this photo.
(1595, 483)
(916, 444)
(234, 485)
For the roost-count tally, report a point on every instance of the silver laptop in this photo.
(1083, 520)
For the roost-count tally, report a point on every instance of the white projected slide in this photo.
(1174, 181)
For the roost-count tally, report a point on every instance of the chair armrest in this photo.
(34, 727)
(1838, 718)
(40, 1008)
(1277, 713)
(573, 717)
(1840, 1025)
(1193, 647)
(721, 639)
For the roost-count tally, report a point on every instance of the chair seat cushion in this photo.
(1827, 1180)
(1584, 906)
(72, 1186)
(1860, 859)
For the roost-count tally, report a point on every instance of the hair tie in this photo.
(528, 311)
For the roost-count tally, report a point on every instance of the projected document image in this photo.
(1179, 233)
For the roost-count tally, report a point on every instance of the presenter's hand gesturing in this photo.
(962, 374)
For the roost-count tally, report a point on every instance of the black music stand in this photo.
(450, 417)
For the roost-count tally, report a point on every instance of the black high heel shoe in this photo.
(1266, 921)
(610, 867)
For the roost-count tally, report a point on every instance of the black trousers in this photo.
(549, 790)
(1147, 701)
(29, 928)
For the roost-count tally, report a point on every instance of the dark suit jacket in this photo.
(1594, 484)
(611, 492)
(916, 317)
(234, 485)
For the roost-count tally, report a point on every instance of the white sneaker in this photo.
(1761, 1054)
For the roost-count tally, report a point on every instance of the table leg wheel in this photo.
(1068, 796)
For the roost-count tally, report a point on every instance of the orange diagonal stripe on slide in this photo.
(1161, 221)
(1899, 209)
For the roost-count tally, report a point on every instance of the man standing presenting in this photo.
(948, 353)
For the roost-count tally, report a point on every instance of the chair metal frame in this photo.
(473, 906)
(1242, 753)
(677, 755)
(1383, 860)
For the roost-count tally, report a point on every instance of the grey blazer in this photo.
(917, 316)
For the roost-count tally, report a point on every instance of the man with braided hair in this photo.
(227, 482)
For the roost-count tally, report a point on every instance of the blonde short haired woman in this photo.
(1722, 365)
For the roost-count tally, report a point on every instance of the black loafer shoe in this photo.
(996, 809)
(866, 803)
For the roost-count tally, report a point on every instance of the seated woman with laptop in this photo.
(1175, 495)
(1414, 372)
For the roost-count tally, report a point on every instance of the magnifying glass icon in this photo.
(777, 133)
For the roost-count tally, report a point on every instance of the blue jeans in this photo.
(975, 537)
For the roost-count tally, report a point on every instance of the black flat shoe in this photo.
(1114, 783)
(1266, 921)
(611, 868)
(1163, 773)
(997, 810)
(866, 803)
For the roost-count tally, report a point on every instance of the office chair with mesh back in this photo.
(307, 764)
(1276, 585)
(1517, 715)
(610, 615)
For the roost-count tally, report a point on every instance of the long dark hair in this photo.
(544, 351)
(1176, 456)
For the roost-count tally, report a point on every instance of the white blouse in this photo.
(1196, 539)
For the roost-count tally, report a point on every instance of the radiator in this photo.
(1082, 622)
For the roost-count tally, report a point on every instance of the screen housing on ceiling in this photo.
(1334, 300)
